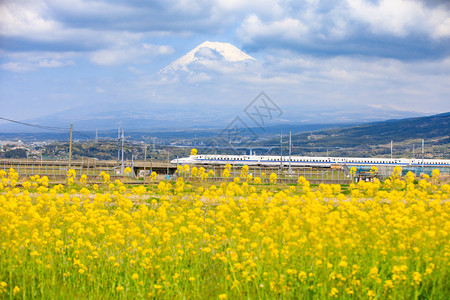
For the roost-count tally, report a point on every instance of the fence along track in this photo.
(57, 169)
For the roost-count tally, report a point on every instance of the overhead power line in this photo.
(35, 125)
(60, 129)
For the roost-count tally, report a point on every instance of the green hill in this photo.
(435, 127)
(374, 138)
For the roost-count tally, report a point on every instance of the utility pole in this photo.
(118, 144)
(132, 164)
(423, 145)
(121, 166)
(290, 150)
(151, 165)
(168, 162)
(281, 149)
(70, 146)
(391, 149)
(145, 161)
(413, 155)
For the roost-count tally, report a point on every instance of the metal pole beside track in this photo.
(70, 146)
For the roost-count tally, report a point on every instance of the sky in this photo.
(312, 56)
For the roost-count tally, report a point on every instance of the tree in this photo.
(16, 153)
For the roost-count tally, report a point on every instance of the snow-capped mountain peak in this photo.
(205, 51)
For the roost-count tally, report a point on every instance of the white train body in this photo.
(306, 161)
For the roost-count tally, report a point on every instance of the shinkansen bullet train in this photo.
(306, 161)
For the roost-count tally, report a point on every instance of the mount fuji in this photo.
(207, 56)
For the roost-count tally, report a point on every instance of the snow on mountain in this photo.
(205, 52)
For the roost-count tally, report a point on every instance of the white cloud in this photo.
(31, 66)
(285, 29)
(16, 67)
(106, 28)
(25, 18)
(52, 63)
(159, 49)
(352, 26)
(122, 55)
(442, 29)
(401, 17)
(29, 61)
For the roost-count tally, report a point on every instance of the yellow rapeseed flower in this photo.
(16, 290)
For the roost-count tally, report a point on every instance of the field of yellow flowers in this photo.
(237, 239)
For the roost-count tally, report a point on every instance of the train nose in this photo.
(178, 161)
